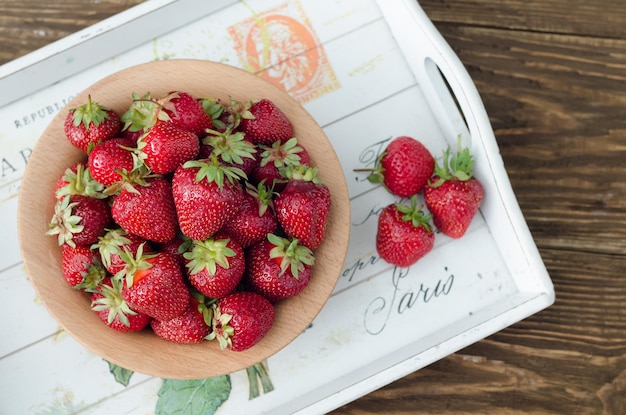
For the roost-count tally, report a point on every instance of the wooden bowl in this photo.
(143, 351)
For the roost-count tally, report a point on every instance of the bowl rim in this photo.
(162, 358)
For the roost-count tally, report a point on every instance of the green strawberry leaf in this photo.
(415, 214)
(454, 166)
(191, 397)
(208, 255)
(121, 375)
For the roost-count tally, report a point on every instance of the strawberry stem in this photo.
(290, 254)
(221, 331)
(89, 113)
(457, 166)
(230, 147)
(208, 255)
(81, 183)
(113, 301)
(64, 224)
(415, 214)
(213, 171)
(143, 113)
(301, 172)
(282, 154)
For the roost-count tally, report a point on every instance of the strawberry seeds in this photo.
(451, 193)
(190, 217)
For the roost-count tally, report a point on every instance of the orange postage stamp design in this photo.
(282, 47)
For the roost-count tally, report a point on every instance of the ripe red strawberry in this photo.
(116, 241)
(108, 303)
(206, 195)
(77, 180)
(453, 194)
(302, 208)
(177, 248)
(255, 218)
(132, 136)
(81, 267)
(404, 234)
(147, 210)
(186, 112)
(275, 158)
(189, 327)
(404, 167)
(177, 108)
(241, 320)
(165, 146)
(278, 268)
(265, 123)
(155, 285)
(215, 266)
(109, 158)
(79, 220)
(90, 124)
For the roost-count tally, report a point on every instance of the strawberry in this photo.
(255, 218)
(90, 124)
(165, 146)
(215, 266)
(147, 210)
(116, 241)
(453, 194)
(275, 158)
(404, 234)
(179, 109)
(155, 285)
(404, 167)
(132, 136)
(79, 220)
(206, 195)
(110, 158)
(77, 180)
(278, 267)
(302, 208)
(177, 248)
(241, 320)
(186, 112)
(189, 327)
(265, 123)
(108, 303)
(81, 267)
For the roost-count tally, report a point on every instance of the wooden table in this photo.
(552, 75)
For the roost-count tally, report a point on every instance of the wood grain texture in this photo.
(41, 254)
(552, 76)
(554, 86)
(29, 24)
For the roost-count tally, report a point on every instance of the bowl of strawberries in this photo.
(184, 219)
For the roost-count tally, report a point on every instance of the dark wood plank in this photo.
(552, 76)
(30, 24)
(557, 105)
(570, 358)
(604, 18)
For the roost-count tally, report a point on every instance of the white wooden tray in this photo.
(367, 71)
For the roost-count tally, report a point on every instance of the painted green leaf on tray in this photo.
(121, 375)
(192, 397)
